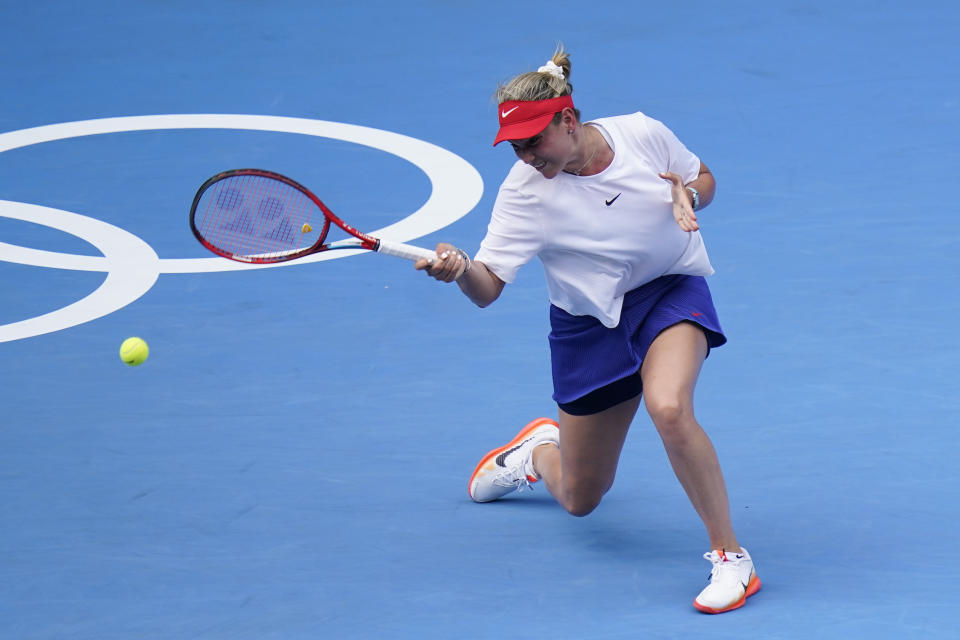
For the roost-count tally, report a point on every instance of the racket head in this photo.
(258, 216)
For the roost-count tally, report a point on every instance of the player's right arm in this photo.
(476, 281)
(480, 284)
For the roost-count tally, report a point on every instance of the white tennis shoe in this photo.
(510, 467)
(732, 580)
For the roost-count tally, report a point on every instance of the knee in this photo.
(581, 501)
(673, 419)
(581, 508)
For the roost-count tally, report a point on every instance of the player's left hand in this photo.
(682, 207)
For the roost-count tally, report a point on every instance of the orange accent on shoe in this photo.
(751, 589)
(736, 605)
(539, 422)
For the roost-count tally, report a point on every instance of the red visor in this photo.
(520, 119)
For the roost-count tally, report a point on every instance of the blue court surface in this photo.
(292, 460)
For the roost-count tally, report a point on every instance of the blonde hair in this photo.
(540, 85)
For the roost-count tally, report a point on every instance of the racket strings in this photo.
(257, 218)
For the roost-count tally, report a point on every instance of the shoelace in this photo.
(514, 477)
(721, 562)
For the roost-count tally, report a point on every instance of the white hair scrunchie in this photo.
(552, 69)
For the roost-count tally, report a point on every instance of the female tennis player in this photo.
(609, 207)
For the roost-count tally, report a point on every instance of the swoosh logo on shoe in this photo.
(503, 456)
(504, 114)
(613, 199)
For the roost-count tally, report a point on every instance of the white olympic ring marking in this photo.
(133, 267)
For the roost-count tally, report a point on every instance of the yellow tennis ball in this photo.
(134, 351)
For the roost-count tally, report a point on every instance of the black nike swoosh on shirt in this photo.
(613, 199)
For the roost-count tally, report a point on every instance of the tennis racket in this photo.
(257, 216)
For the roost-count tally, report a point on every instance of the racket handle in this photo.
(407, 251)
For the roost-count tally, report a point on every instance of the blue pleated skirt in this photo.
(586, 355)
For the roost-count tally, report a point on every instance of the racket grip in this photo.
(408, 251)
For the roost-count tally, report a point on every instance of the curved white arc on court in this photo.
(49, 259)
(456, 186)
(131, 265)
(210, 265)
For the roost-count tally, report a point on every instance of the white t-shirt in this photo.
(599, 236)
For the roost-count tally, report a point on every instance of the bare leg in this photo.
(669, 373)
(581, 471)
